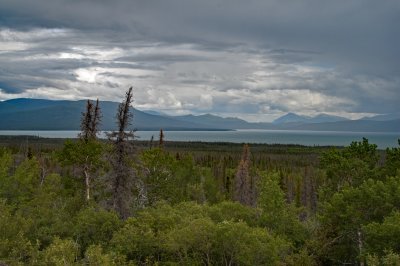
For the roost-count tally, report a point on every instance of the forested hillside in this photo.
(123, 202)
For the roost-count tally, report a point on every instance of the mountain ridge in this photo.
(42, 114)
(320, 118)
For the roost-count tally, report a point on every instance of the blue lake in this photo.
(309, 138)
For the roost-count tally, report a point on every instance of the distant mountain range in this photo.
(321, 118)
(385, 117)
(38, 114)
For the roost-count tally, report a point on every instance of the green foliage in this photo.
(137, 239)
(302, 258)
(49, 210)
(169, 179)
(45, 220)
(157, 170)
(80, 152)
(383, 236)
(187, 234)
(389, 259)
(364, 151)
(192, 242)
(5, 165)
(61, 252)
(21, 186)
(350, 166)
(271, 198)
(274, 210)
(239, 244)
(233, 211)
(95, 256)
(94, 226)
(392, 164)
(15, 247)
(343, 216)
(87, 155)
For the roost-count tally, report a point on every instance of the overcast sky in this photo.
(254, 59)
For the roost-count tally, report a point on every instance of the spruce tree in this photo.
(123, 176)
(86, 122)
(161, 141)
(90, 121)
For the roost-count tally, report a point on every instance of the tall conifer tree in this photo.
(123, 176)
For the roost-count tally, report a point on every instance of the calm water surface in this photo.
(309, 138)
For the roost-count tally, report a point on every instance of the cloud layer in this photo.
(252, 59)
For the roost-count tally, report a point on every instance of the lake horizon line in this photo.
(297, 137)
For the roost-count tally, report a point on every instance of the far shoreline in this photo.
(285, 137)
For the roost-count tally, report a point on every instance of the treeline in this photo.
(113, 202)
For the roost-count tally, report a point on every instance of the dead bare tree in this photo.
(245, 189)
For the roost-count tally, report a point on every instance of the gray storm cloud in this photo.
(253, 59)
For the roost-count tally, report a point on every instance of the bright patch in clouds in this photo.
(86, 75)
(70, 56)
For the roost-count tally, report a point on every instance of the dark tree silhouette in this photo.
(90, 121)
(151, 142)
(123, 176)
(96, 120)
(86, 122)
(161, 141)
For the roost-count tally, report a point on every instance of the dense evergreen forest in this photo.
(126, 202)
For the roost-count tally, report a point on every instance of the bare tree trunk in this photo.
(42, 175)
(142, 191)
(360, 246)
(87, 182)
(86, 172)
(43, 172)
